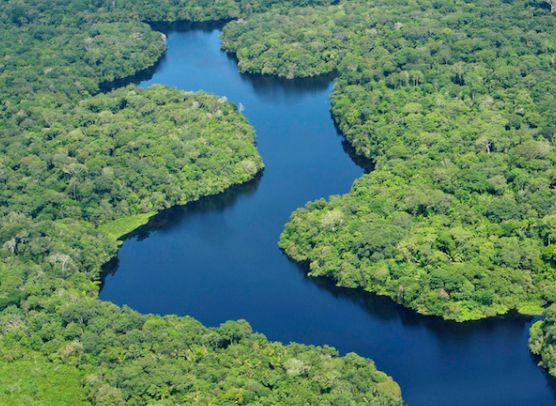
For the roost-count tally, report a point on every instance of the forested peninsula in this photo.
(455, 104)
(79, 169)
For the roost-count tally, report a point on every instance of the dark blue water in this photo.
(218, 259)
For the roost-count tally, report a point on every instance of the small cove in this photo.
(217, 259)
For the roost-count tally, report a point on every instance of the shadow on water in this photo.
(436, 361)
(263, 85)
(289, 89)
(165, 28)
(187, 26)
(379, 307)
(142, 75)
(361, 161)
(175, 217)
(384, 308)
(364, 163)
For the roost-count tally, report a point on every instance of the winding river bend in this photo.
(218, 259)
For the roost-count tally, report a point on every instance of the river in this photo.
(218, 259)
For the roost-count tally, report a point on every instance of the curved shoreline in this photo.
(153, 148)
(362, 306)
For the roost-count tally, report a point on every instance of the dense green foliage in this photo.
(35, 381)
(125, 356)
(542, 340)
(295, 43)
(126, 152)
(79, 169)
(455, 103)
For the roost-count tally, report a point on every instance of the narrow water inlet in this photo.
(217, 259)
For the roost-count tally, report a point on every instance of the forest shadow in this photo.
(187, 26)
(136, 78)
(385, 309)
(277, 87)
(174, 217)
(165, 28)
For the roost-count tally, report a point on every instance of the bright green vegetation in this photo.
(124, 225)
(36, 381)
(455, 103)
(125, 356)
(127, 152)
(78, 170)
(542, 340)
(313, 44)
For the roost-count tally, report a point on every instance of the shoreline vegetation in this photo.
(450, 207)
(455, 105)
(79, 170)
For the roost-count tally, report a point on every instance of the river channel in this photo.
(218, 259)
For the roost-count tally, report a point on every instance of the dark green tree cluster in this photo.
(455, 103)
(78, 169)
